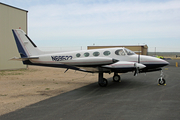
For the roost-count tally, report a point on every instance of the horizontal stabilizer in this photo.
(23, 59)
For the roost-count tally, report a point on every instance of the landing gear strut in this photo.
(161, 80)
(102, 81)
(116, 77)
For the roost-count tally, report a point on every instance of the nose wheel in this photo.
(161, 80)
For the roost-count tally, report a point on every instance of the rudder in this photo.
(25, 45)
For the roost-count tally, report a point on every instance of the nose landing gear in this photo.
(161, 80)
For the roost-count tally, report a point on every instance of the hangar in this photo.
(142, 49)
(11, 18)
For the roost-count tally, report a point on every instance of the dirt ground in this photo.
(19, 88)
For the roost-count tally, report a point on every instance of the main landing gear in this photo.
(103, 82)
(161, 80)
(116, 77)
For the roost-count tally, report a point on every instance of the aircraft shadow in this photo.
(94, 102)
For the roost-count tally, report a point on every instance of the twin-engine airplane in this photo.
(110, 60)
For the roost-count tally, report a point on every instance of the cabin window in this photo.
(120, 52)
(106, 53)
(78, 55)
(96, 54)
(86, 54)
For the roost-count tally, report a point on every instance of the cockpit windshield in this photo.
(128, 52)
(120, 52)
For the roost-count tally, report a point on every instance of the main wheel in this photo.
(104, 83)
(161, 81)
(116, 78)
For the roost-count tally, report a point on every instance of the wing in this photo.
(108, 67)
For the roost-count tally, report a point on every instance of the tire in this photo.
(116, 78)
(104, 83)
(161, 81)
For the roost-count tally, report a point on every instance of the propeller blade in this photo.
(139, 57)
(138, 66)
(136, 72)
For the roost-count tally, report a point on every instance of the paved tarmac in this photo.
(135, 98)
(174, 62)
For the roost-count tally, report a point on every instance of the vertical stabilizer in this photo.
(25, 45)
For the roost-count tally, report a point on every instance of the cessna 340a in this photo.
(110, 60)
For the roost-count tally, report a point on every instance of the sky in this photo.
(76, 24)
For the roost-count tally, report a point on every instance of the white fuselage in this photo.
(95, 57)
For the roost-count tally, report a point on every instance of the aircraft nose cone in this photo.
(165, 63)
(162, 63)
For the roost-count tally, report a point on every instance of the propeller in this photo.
(136, 69)
(139, 57)
(138, 65)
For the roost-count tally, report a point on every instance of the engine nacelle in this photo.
(90, 61)
(124, 64)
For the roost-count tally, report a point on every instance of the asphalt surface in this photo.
(173, 62)
(135, 98)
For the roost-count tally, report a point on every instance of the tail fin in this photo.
(25, 45)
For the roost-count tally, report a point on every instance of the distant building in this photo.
(142, 49)
(10, 18)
